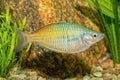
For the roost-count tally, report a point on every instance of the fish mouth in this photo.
(100, 37)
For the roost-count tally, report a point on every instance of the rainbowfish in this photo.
(61, 37)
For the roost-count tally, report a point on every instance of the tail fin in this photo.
(22, 40)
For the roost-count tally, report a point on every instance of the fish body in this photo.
(65, 37)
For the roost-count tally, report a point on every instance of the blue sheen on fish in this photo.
(63, 37)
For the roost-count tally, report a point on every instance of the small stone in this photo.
(114, 77)
(97, 74)
(41, 78)
(97, 69)
(107, 76)
(15, 69)
(94, 78)
(32, 78)
(86, 77)
(107, 64)
(71, 79)
(22, 75)
(117, 65)
(107, 56)
(2, 78)
(32, 73)
(118, 76)
(17, 77)
(25, 71)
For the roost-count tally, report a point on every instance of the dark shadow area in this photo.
(56, 64)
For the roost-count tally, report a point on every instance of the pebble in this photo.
(71, 78)
(52, 78)
(22, 75)
(86, 77)
(118, 76)
(114, 77)
(32, 78)
(17, 77)
(94, 78)
(32, 73)
(15, 69)
(106, 57)
(2, 78)
(97, 69)
(107, 76)
(107, 64)
(97, 74)
(25, 71)
(41, 78)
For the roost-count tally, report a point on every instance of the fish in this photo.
(22, 40)
(61, 37)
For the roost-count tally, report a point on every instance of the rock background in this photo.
(42, 12)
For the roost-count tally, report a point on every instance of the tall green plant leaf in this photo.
(106, 7)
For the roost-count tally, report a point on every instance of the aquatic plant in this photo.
(8, 41)
(109, 12)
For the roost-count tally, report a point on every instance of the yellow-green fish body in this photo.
(65, 37)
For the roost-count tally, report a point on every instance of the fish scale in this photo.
(65, 37)
(57, 35)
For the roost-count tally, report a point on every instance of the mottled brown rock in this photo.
(43, 12)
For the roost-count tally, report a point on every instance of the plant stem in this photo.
(116, 25)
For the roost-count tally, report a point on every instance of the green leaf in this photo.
(106, 7)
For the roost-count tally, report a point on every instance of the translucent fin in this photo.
(22, 40)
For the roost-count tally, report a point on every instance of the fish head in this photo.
(92, 37)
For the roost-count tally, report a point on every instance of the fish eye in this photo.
(94, 35)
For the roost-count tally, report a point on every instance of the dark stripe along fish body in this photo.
(65, 37)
